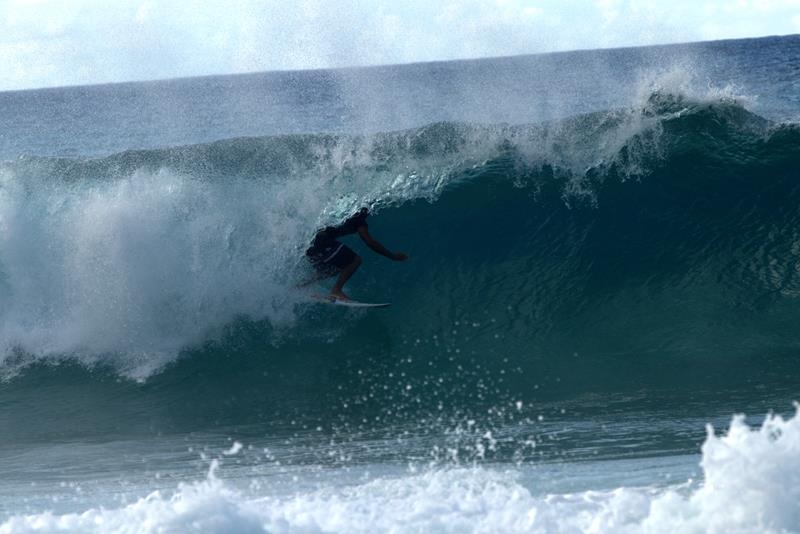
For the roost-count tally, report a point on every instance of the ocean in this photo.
(596, 331)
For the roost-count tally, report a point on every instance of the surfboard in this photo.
(326, 299)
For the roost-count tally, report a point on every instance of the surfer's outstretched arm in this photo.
(373, 243)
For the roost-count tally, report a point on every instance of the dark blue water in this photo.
(604, 257)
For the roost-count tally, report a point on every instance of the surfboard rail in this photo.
(328, 299)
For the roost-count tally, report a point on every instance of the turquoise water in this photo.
(603, 260)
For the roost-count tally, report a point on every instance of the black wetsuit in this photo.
(326, 253)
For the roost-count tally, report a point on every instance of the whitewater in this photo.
(604, 276)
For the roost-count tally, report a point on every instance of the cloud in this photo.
(143, 12)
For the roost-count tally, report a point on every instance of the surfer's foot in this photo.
(339, 295)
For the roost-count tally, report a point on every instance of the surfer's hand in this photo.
(399, 256)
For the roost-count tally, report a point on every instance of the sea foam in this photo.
(751, 484)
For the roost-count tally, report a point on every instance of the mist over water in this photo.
(101, 120)
(603, 259)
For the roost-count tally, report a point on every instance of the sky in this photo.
(50, 43)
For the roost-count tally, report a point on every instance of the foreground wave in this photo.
(750, 484)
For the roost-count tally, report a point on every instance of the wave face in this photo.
(648, 247)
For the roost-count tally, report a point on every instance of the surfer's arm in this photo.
(373, 243)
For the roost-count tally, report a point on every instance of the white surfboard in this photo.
(327, 299)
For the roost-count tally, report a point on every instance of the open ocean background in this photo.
(605, 259)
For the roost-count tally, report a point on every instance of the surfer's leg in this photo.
(319, 276)
(323, 259)
(344, 276)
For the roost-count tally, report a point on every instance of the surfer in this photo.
(330, 257)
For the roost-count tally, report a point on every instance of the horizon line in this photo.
(377, 66)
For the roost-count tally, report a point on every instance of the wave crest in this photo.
(130, 259)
